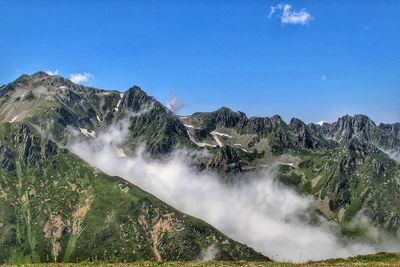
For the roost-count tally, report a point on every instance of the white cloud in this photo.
(258, 211)
(392, 153)
(50, 72)
(288, 15)
(80, 78)
(321, 123)
(173, 104)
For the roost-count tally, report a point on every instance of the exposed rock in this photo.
(226, 161)
(6, 159)
(393, 128)
(307, 139)
(227, 118)
(362, 128)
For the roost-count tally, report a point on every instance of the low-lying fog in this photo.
(260, 212)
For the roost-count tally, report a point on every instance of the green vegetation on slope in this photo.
(55, 207)
(380, 259)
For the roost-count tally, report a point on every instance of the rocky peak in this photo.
(277, 121)
(39, 74)
(393, 128)
(258, 125)
(297, 125)
(347, 127)
(136, 99)
(362, 123)
(304, 137)
(228, 118)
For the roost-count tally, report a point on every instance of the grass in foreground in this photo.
(380, 259)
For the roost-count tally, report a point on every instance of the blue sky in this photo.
(314, 59)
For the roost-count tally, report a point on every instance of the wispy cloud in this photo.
(288, 15)
(323, 77)
(173, 104)
(50, 72)
(80, 78)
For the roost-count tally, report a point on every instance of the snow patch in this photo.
(188, 126)
(288, 164)
(220, 134)
(244, 150)
(215, 136)
(98, 118)
(191, 137)
(220, 144)
(13, 119)
(88, 133)
(320, 123)
(121, 95)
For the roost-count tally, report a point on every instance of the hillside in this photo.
(56, 208)
(347, 167)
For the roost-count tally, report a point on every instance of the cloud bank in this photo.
(259, 211)
(288, 15)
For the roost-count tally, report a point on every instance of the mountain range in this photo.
(56, 207)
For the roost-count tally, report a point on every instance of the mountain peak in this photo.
(296, 121)
(276, 119)
(136, 89)
(224, 109)
(227, 117)
(39, 74)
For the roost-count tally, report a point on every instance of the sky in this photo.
(315, 60)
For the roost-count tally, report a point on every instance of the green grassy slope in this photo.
(55, 207)
(380, 259)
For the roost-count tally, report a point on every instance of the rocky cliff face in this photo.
(362, 128)
(393, 128)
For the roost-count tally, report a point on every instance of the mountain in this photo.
(52, 104)
(55, 105)
(54, 207)
(362, 128)
(342, 165)
(347, 166)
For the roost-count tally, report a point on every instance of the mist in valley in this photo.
(257, 210)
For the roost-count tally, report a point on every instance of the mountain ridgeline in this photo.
(52, 104)
(55, 207)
